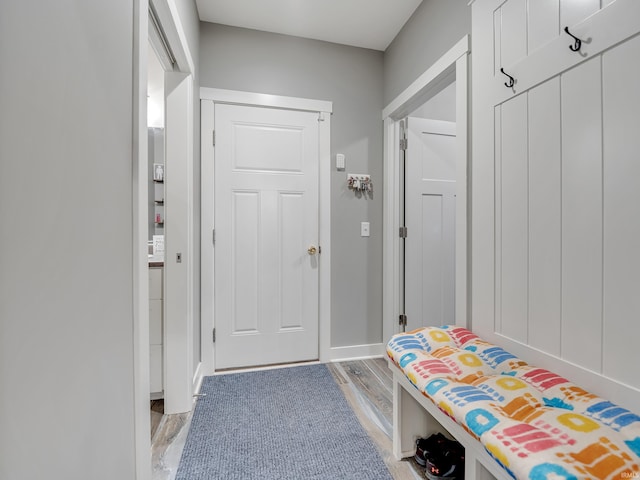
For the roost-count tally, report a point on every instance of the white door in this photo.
(430, 207)
(266, 224)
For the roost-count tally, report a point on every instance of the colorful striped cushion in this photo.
(535, 423)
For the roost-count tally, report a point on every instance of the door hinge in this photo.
(213, 336)
(213, 136)
(404, 124)
(402, 320)
(213, 236)
(403, 232)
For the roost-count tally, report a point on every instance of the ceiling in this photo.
(360, 23)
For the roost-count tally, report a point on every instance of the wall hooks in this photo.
(511, 81)
(578, 43)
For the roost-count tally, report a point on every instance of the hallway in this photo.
(367, 387)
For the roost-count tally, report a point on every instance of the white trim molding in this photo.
(178, 284)
(169, 18)
(357, 352)
(324, 299)
(438, 76)
(140, 271)
(178, 345)
(218, 95)
(452, 66)
(208, 98)
(207, 225)
(198, 377)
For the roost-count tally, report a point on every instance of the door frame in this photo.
(208, 98)
(181, 380)
(452, 66)
(182, 376)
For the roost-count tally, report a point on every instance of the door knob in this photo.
(312, 250)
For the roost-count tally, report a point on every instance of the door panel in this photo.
(266, 212)
(291, 259)
(432, 267)
(282, 144)
(430, 219)
(245, 217)
(435, 157)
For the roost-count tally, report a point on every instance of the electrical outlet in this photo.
(364, 229)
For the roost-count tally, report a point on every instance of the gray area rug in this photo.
(290, 423)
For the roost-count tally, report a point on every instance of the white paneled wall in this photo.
(582, 215)
(509, 21)
(513, 219)
(543, 22)
(556, 187)
(523, 26)
(621, 215)
(545, 219)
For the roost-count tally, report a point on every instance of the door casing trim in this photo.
(208, 98)
(168, 16)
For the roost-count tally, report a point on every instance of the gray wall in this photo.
(240, 59)
(435, 27)
(66, 256)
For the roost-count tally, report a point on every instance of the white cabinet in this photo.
(555, 180)
(156, 328)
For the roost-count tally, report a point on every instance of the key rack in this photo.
(359, 182)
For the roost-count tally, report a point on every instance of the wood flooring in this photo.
(157, 411)
(366, 385)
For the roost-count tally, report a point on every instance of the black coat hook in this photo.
(576, 46)
(511, 81)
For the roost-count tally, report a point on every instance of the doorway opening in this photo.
(448, 77)
(309, 251)
(428, 210)
(156, 218)
(163, 207)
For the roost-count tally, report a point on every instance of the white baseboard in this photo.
(197, 379)
(356, 352)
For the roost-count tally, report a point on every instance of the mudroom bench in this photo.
(513, 419)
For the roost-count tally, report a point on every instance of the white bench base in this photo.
(415, 416)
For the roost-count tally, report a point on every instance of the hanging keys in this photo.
(359, 183)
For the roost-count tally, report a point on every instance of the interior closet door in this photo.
(556, 221)
(266, 254)
(430, 212)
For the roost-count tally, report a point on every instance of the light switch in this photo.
(364, 229)
(340, 164)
